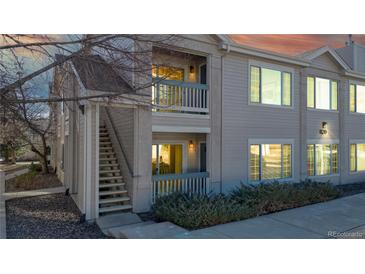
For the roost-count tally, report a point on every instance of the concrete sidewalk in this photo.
(340, 218)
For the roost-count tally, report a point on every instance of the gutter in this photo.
(258, 53)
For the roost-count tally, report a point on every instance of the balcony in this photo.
(179, 96)
(191, 183)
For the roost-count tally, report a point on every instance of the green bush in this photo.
(270, 197)
(198, 211)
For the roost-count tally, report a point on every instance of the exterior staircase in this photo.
(113, 196)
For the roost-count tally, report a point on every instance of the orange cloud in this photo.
(294, 44)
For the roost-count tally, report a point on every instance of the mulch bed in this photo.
(39, 181)
(54, 216)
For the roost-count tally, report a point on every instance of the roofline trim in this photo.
(261, 53)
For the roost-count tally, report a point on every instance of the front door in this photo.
(203, 157)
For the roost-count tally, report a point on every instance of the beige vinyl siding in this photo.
(242, 121)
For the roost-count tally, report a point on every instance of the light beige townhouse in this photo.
(216, 115)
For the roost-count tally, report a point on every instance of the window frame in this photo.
(320, 142)
(355, 83)
(315, 92)
(261, 142)
(185, 153)
(282, 70)
(354, 142)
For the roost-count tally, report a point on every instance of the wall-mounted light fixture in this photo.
(323, 130)
(191, 144)
(191, 69)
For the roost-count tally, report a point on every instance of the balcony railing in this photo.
(177, 96)
(197, 183)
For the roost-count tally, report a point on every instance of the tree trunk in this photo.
(44, 160)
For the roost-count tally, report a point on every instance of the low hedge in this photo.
(193, 211)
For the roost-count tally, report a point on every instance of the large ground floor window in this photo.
(357, 157)
(270, 161)
(167, 159)
(322, 159)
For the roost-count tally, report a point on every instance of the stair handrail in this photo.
(130, 170)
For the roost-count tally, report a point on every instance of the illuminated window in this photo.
(168, 73)
(322, 93)
(268, 86)
(270, 161)
(357, 98)
(357, 157)
(167, 159)
(322, 159)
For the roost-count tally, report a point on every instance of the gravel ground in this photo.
(53, 216)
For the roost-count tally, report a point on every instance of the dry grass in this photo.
(31, 181)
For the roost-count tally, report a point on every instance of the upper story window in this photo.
(168, 73)
(270, 161)
(357, 157)
(322, 93)
(268, 86)
(357, 98)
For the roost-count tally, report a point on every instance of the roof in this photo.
(97, 74)
(312, 54)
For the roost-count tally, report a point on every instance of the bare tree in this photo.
(20, 96)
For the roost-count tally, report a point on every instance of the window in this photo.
(268, 86)
(357, 98)
(270, 161)
(322, 159)
(167, 159)
(322, 93)
(168, 73)
(357, 157)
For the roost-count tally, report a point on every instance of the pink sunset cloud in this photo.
(294, 44)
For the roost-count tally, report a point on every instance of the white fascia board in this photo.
(263, 54)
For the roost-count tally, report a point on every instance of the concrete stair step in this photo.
(153, 231)
(112, 192)
(116, 231)
(114, 200)
(117, 220)
(110, 178)
(114, 208)
(111, 185)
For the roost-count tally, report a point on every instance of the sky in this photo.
(289, 44)
(294, 44)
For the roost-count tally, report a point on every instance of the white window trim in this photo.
(269, 142)
(273, 67)
(176, 142)
(323, 142)
(356, 83)
(315, 91)
(354, 141)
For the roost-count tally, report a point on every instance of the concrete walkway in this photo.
(340, 218)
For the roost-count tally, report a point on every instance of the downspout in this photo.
(227, 48)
